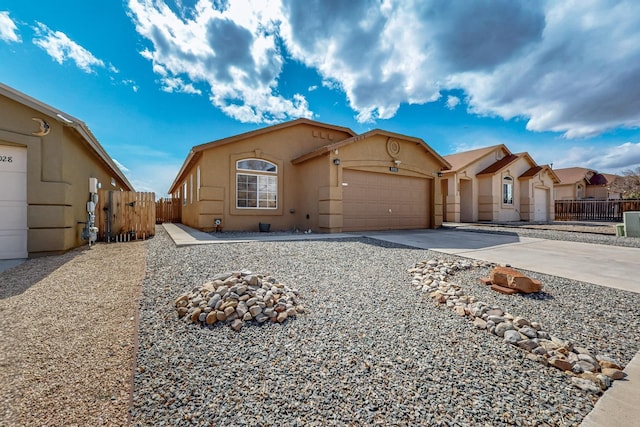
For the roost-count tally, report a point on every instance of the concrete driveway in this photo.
(612, 266)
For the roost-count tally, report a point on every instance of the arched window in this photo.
(507, 190)
(256, 184)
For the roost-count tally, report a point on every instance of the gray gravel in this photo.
(370, 351)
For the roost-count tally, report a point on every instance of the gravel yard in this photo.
(371, 350)
(67, 327)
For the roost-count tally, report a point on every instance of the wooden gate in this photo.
(168, 210)
(122, 216)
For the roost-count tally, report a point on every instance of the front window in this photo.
(507, 190)
(256, 184)
(184, 194)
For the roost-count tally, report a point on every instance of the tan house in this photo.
(582, 183)
(46, 160)
(493, 184)
(308, 175)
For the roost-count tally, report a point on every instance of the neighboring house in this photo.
(493, 184)
(46, 160)
(582, 183)
(308, 175)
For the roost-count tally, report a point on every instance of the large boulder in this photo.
(511, 278)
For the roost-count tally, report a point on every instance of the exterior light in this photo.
(336, 161)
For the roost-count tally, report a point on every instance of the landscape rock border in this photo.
(592, 373)
(237, 298)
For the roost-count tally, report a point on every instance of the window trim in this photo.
(277, 171)
(264, 178)
(509, 184)
(198, 183)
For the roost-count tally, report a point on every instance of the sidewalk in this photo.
(619, 406)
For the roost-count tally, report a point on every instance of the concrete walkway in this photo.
(620, 405)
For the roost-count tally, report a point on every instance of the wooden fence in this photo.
(168, 210)
(122, 216)
(594, 210)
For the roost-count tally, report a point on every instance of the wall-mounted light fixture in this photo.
(397, 162)
(439, 174)
(336, 162)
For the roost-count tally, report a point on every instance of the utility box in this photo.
(632, 224)
(619, 230)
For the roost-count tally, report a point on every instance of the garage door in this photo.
(376, 201)
(541, 204)
(13, 202)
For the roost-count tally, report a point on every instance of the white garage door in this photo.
(541, 204)
(13, 202)
(377, 201)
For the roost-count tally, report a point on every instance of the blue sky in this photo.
(558, 79)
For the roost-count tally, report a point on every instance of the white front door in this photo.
(13, 202)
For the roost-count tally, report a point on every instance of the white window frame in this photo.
(184, 193)
(191, 189)
(507, 190)
(198, 184)
(266, 183)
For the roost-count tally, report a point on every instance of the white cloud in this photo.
(452, 102)
(176, 84)
(233, 49)
(120, 166)
(61, 48)
(568, 66)
(607, 159)
(565, 66)
(8, 29)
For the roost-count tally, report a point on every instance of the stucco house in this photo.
(308, 175)
(578, 183)
(46, 160)
(494, 184)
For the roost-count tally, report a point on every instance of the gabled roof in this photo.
(504, 162)
(572, 175)
(463, 159)
(336, 145)
(66, 120)
(196, 151)
(499, 165)
(535, 170)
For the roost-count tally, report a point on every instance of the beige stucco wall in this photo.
(479, 198)
(309, 192)
(465, 210)
(565, 192)
(217, 177)
(59, 166)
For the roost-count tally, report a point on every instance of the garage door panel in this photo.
(13, 202)
(14, 245)
(541, 201)
(13, 186)
(14, 215)
(375, 201)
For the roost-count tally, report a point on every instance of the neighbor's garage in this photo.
(541, 201)
(13, 202)
(378, 201)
